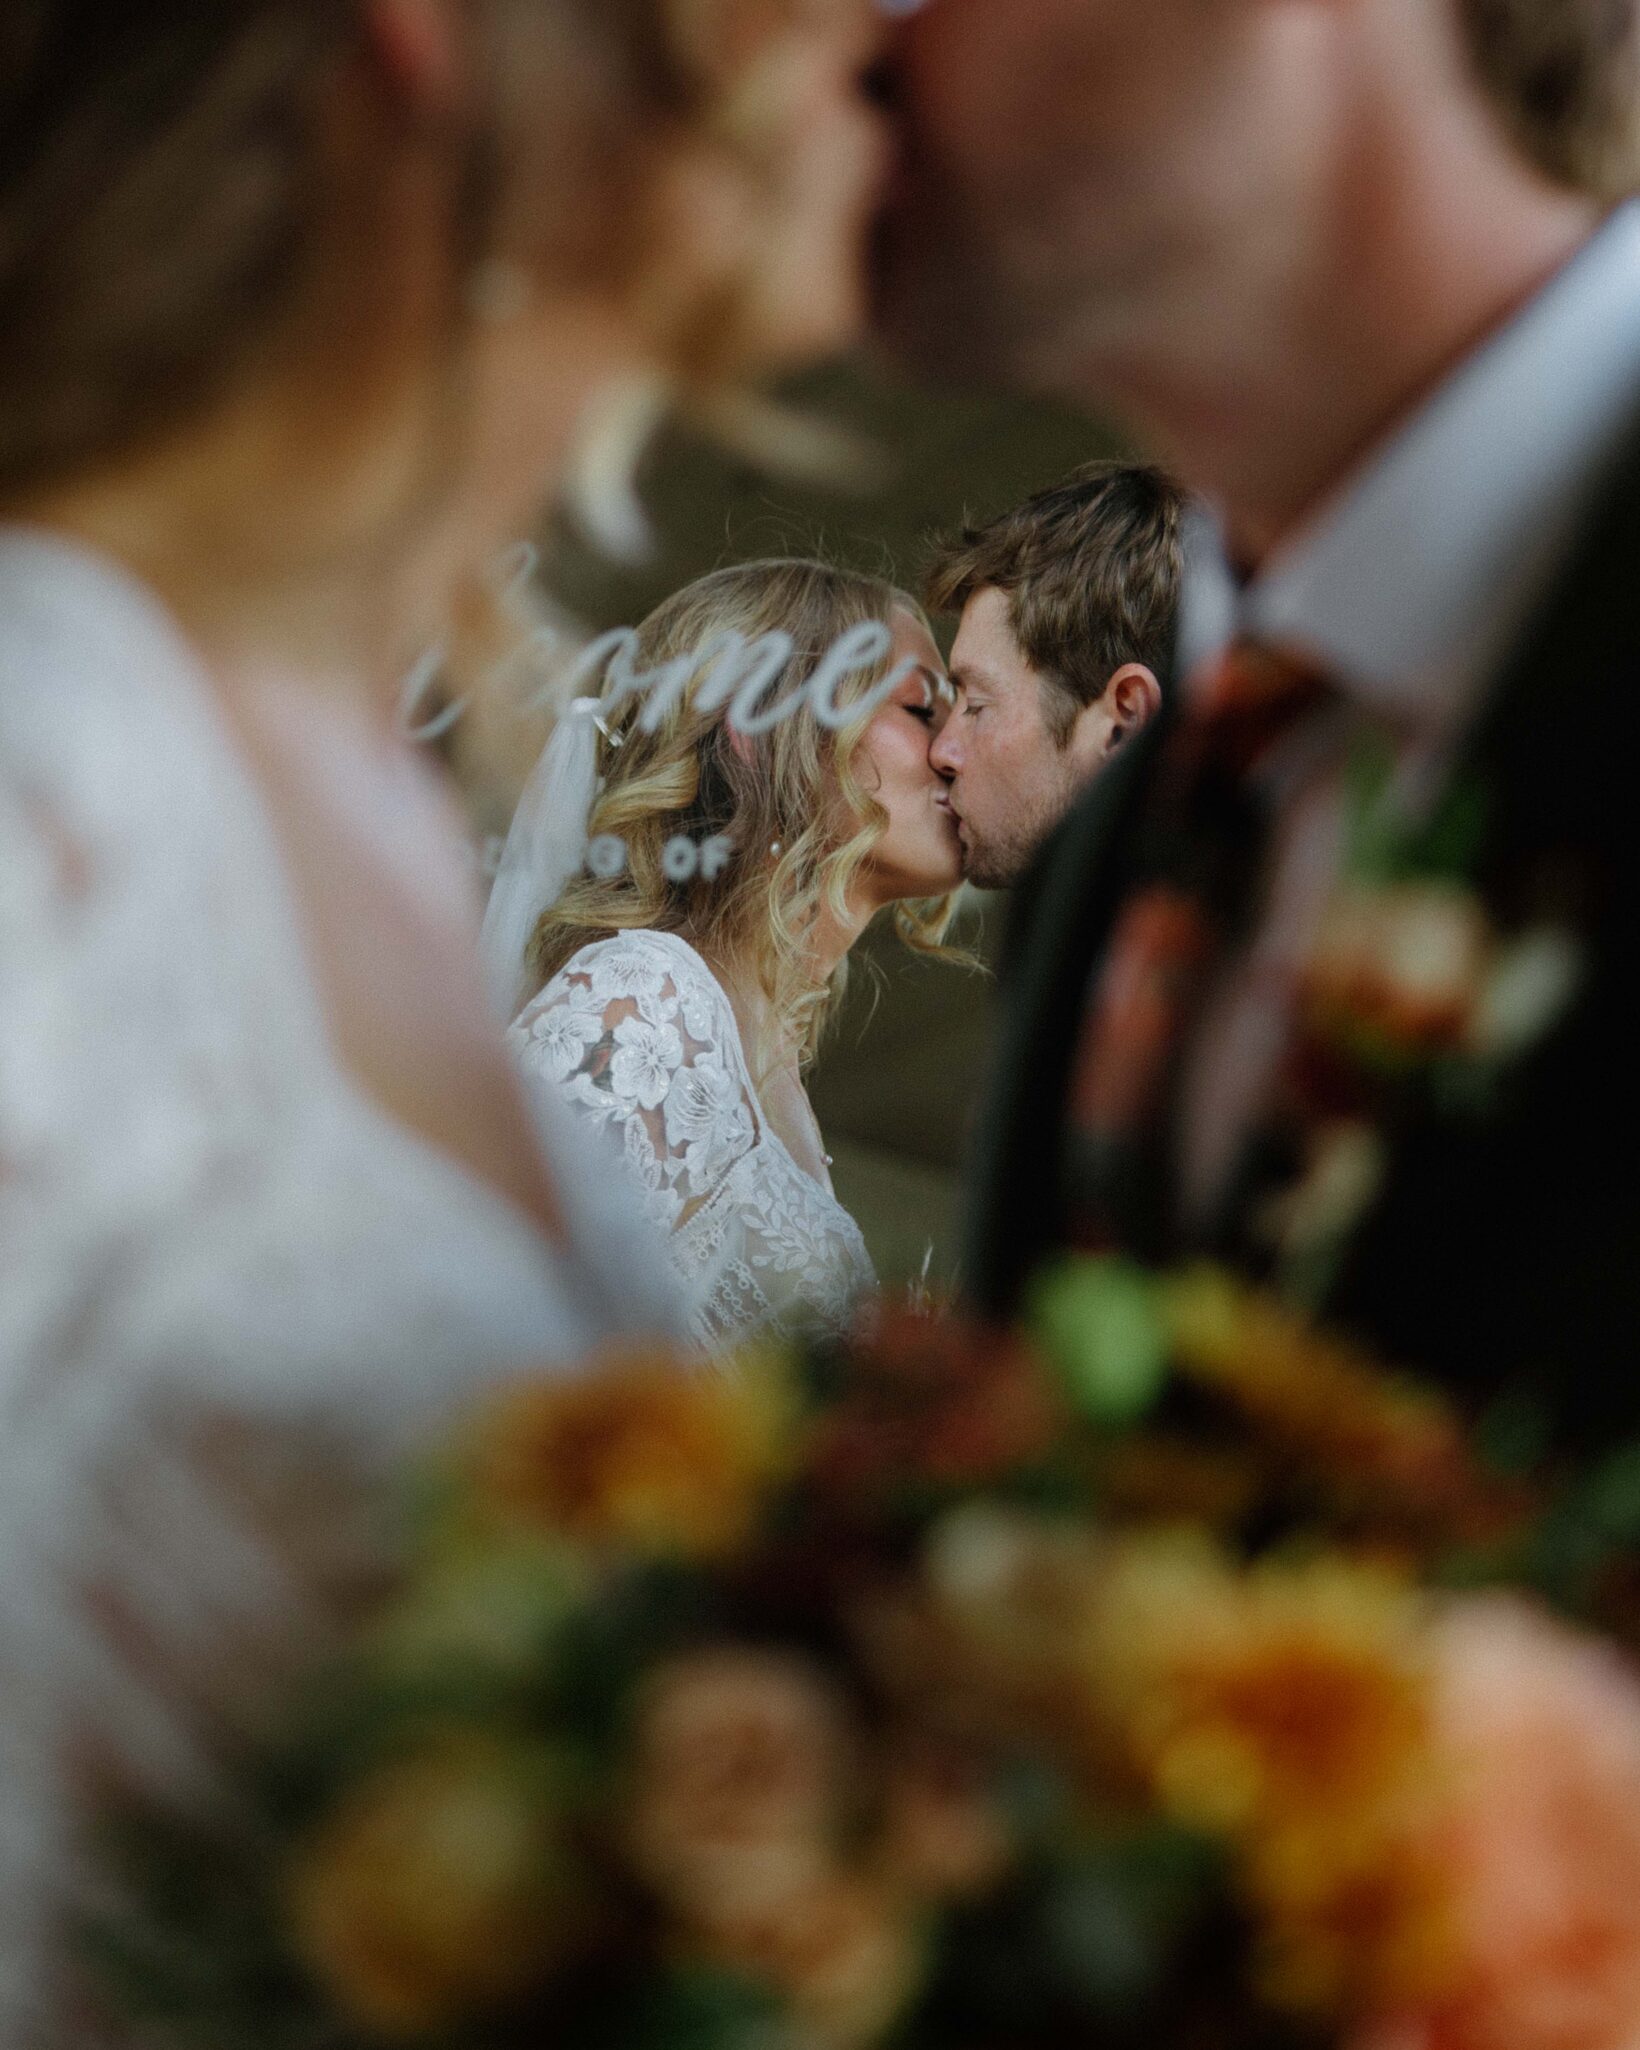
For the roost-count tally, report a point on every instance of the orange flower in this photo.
(641, 1451)
(1377, 1438)
(438, 1892)
(1341, 1928)
(1256, 1698)
(1285, 1710)
(737, 1783)
(1538, 1839)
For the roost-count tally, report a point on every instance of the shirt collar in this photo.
(1411, 583)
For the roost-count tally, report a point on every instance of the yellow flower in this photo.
(438, 1891)
(1288, 1710)
(643, 1451)
(1373, 1433)
(1346, 1926)
(1284, 1694)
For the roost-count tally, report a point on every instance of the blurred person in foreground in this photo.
(302, 310)
(1067, 610)
(1329, 977)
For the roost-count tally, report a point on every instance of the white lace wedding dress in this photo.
(231, 1289)
(638, 1036)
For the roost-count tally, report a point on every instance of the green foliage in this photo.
(190, 1949)
(1592, 1529)
(1514, 1435)
(1085, 1941)
(1101, 1325)
(691, 2009)
(637, 1618)
(1383, 848)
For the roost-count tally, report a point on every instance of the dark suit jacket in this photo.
(1501, 1254)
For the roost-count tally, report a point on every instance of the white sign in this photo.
(743, 675)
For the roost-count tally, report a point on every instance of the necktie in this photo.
(1200, 863)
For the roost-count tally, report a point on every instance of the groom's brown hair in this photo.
(1091, 570)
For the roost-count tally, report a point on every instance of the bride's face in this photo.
(919, 854)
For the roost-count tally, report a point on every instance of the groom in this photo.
(1329, 977)
(1068, 611)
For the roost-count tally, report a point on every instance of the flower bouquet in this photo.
(1164, 1673)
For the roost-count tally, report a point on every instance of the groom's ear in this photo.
(1132, 698)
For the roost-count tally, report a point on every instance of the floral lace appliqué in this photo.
(638, 1035)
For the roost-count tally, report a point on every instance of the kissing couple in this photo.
(686, 878)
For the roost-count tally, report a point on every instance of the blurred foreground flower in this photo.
(1362, 1432)
(931, 1405)
(440, 1890)
(1415, 970)
(737, 1783)
(846, 1959)
(1537, 1835)
(744, 1779)
(644, 1451)
(1399, 971)
(944, 1836)
(936, 1691)
(1285, 1709)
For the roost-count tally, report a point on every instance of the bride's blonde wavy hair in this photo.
(795, 788)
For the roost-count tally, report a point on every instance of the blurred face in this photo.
(1070, 170)
(758, 258)
(755, 234)
(918, 854)
(1009, 781)
(825, 166)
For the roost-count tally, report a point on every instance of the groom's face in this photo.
(1009, 779)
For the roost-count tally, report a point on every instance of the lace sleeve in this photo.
(640, 1042)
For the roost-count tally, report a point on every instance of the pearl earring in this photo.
(774, 848)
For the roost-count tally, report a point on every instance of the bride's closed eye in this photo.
(929, 700)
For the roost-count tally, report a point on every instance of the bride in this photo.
(685, 974)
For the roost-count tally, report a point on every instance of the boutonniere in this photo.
(1413, 973)
(1412, 976)
(1413, 986)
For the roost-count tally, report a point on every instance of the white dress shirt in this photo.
(1408, 588)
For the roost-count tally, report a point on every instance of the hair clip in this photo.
(614, 739)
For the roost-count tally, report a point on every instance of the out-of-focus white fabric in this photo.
(233, 1292)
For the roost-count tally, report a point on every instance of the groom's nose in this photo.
(945, 755)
